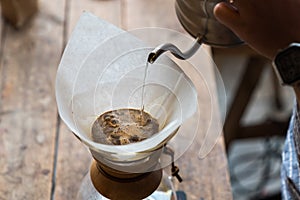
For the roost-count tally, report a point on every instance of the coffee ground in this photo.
(123, 126)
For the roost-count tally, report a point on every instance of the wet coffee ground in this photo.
(123, 126)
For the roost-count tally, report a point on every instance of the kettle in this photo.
(197, 18)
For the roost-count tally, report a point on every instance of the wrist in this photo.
(287, 66)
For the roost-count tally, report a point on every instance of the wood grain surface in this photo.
(39, 157)
(28, 108)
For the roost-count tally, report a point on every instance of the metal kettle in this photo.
(197, 18)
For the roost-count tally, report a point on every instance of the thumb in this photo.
(227, 15)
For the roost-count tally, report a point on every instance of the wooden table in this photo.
(39, 157)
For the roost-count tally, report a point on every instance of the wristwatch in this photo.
(287, 64)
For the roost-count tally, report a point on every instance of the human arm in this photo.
(266, 26)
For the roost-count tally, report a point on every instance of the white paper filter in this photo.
(103, 69)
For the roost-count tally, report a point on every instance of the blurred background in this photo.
(258, 107)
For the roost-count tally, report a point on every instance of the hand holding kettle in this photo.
(266, 26)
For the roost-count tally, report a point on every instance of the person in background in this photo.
(272, 28)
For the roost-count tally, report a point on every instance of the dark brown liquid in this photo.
(123, 126)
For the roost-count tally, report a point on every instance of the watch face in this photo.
(288, 64)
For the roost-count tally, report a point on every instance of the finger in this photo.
(227, 15)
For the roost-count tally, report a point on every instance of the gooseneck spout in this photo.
(153, 55)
